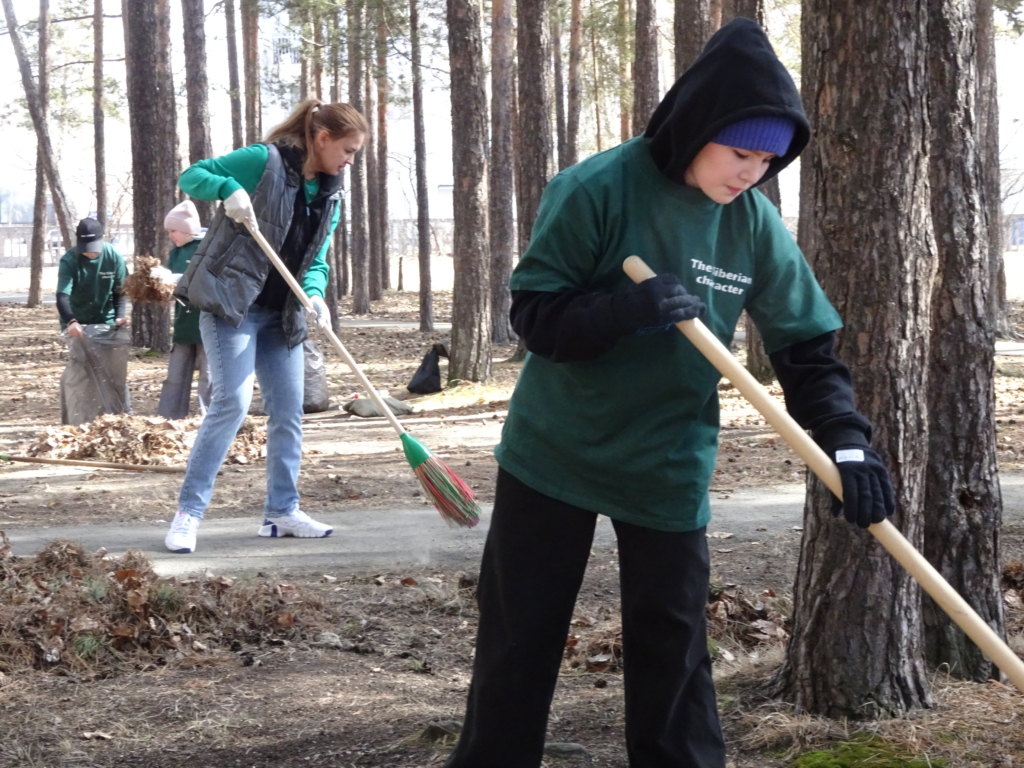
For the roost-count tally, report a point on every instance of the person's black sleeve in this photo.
(819, 393)
(64, 307)
(565, 326)
(118, 305)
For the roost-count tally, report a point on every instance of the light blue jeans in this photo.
(259, 347)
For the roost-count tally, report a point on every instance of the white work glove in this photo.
(164, 275)
(238, 206)
(321, 315)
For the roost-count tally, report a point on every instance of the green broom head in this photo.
(453, 498)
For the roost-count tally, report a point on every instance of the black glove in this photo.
(867, 492)
(654, 305)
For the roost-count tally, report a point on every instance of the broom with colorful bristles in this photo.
(453, 498)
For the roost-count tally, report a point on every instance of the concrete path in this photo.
(389, 539)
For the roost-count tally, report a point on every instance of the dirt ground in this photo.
(388, 688)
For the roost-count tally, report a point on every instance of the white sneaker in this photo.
(181, 537)
(297, 523)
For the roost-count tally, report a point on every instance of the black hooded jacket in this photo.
(735, 78)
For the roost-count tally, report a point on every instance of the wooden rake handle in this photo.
(94, 464)
(913, 561)
(304, 299)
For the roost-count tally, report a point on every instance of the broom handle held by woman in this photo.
(895, 542)
(304, 299)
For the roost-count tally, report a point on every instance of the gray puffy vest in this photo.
(228, 270)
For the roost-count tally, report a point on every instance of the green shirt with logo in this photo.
(92, 284)
(633, 434)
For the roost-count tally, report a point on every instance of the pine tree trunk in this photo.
(692, 28)
(197, 93)
(359, 245)
(535, 144)
(382, 151)
(857, 641)
(573, 107)
(250, 13)
(470, 353)
(963, 503)
(646, 92)
(339, 275)
(501, 186)
(559, 93)
(372, 187)
(234, 86)
(625, 78)
(99, 137)
(317, 57)
(39, 245)
(420, 150)
(151, 110)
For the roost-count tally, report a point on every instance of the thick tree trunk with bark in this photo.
(339, 276)
(501, 184)
(234, 86)
(574, 88)
(535, 143)
(856, 646)
(372, 188)
(646, 92)
(382, 150)
(420, 150)
(963, 503)
(60, 203)
(470, 353)
(691, 28)
(250, 12)
(359, 246)
(625, 42)
(559, 86)
(151, 110)
(39, 244)
(197, 93)
(99, 137)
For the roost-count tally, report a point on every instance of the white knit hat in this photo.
(184, 218)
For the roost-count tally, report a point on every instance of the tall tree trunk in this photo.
(99, 137)
(39, 243)
(626, 45)
(234, 86)
(151, 110)
(372, 185)
(856, 646)
(382, 149)
(501, 184)
(420, 150)
(470, 353)
(360, 246)
(646, 93)
(691, 28)
(597, 85)
(573, 107)
(559, 83)
(339, 274)
(60, 204)
(317, 57)
(197, 88)
(306, 87)
(963, 503)
(250, 12)
(534, 111)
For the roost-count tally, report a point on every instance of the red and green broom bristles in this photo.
(453, 498)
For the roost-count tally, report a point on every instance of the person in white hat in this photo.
(187, 353)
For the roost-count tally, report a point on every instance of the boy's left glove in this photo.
(867, 492)
(322, 316)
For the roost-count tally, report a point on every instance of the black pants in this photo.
(533, 564)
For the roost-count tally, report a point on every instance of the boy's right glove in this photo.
(867, 492)
(655, 304)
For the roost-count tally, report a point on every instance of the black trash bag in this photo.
(315, 397)
(95, 380)
(427, 378)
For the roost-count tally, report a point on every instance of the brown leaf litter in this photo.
(142, 285)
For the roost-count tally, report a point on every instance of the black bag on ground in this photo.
(427, 378)
(315, 397)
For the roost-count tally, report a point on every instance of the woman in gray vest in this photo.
(251, 324)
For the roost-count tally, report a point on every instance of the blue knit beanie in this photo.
(763, 134)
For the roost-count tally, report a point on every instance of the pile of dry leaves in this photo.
(72, 611)
(142, 285)
(130, 439)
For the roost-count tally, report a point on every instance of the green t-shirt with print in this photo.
(634, 433)
(91, 284)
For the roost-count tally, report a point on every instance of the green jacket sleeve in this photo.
(315, 281)
(217, 177)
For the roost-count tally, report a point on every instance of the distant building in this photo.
(1014, 226)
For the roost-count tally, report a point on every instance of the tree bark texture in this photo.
(963, 503)
(646, 92)
(60, 203)
(420, 151)
(99, 135)
(151, 110)
(559, 86)
(574, 87)
(857, 641)
(360, 248)
(339, 276)
(382, 150)
(535, 141)
(470, 353)
(691, 28)
(234, 86)
(197, 89)
(372, 186)
(758, 363)
(250, 12)
(501, 184)
(39, 244)
(626, 45)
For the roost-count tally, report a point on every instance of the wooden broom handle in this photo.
(304, 299)
(895, 542)
(94, 464)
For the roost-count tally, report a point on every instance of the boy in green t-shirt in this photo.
(616, 413)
